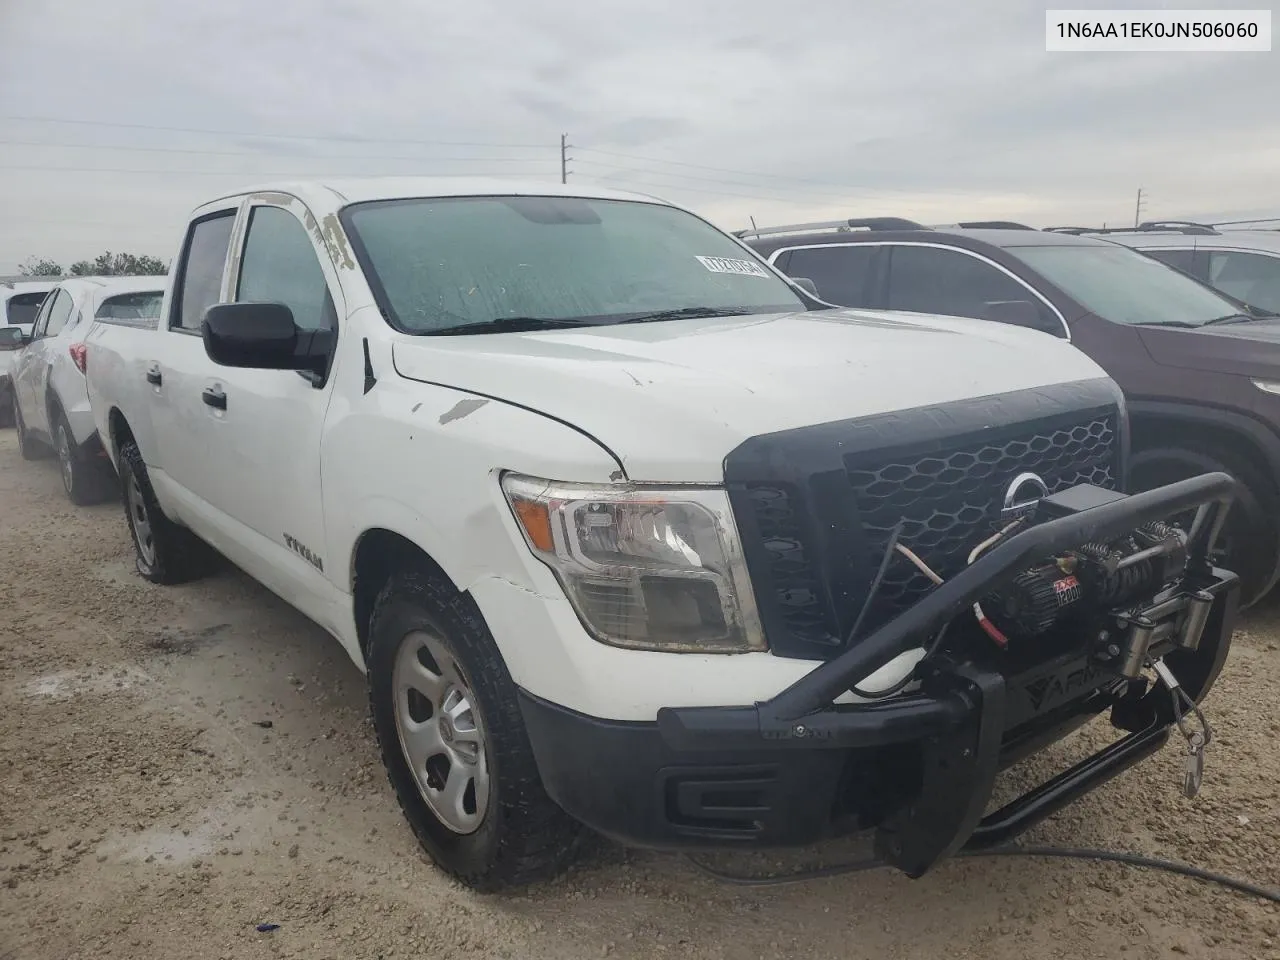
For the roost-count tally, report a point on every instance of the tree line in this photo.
(104, 265)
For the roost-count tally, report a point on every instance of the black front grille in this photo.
(817, 506)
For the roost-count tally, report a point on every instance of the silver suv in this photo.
(1241, 261)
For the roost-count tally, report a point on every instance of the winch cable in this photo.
(1071, 853)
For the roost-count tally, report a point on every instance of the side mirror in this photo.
(1020, 313)
(12, 338)
(258, 335)
(807, 285)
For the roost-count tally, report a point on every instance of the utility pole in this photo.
(1137, 208)
(564, 157)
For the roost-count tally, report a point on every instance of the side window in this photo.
(1251, 277)
(200, 279)
(58, 314)
(280, 265)
(42, 318)
(840, 273)
(1184, 260)
(25, 307)
(933, 280)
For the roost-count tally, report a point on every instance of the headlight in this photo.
(649, 568)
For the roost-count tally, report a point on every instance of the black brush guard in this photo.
(959, 716)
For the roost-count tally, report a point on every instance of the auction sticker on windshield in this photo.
(744, 268)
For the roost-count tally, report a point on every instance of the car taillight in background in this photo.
(80, 356)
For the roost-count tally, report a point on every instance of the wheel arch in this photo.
(118, 433)
(379, 552)
(1184, 426)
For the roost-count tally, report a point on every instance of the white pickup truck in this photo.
(628, 530)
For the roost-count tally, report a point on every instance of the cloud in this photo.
(738, 108)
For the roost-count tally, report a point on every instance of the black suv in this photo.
(1200, 370)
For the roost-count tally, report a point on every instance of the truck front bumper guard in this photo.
(959, 717)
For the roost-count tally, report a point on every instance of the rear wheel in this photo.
(166, 553)
(1250, 542)
(84, 478)
(453, 739)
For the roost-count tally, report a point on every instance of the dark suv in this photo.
(1200, 370)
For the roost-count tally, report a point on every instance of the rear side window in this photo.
(59, 312)
(280, 266)
(841, 274)
(130, 308)
(933, 280)
(23, 307)
(1185, 260)
(1251, 277)
(200, 277)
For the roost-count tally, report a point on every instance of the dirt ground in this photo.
(179, 765)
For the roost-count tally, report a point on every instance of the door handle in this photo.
(214, 397)
(153, 376)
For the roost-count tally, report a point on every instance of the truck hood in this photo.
(672, 399)
(1246, 349)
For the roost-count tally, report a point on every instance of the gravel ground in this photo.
(179, 765)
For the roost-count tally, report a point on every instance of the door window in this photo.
(280, 266)
(200, 274)
(934, 280)
(58, 314)
(1188, 261)
(841, 274)
(24, 307)
(42, 318)
(1251, 277)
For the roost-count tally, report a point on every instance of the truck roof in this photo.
(363, 189)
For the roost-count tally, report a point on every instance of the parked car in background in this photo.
(50, 404)
(19, 303)
(624, 535)
(1200, 372)
(1243, 263)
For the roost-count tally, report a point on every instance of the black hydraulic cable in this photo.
(1074, 853)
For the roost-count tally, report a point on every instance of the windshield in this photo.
(132, 306)
(1123, 286)
(23, 307)
(459, 262)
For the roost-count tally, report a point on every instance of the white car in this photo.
(628, 532)
(50, 402)
(19, 303)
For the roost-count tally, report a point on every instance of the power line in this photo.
(270, 136)
(245, 153)
(290, 174)
(825, 194)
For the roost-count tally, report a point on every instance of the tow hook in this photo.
(1197, 740)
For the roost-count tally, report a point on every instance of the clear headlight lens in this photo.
(645, 567)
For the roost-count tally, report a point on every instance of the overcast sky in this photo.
(932, 109)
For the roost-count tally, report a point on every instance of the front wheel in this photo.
(1250, 542)
(453, 740)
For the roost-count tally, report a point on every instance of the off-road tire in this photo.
(525, 836)
(179, 556)
(85, 479)
(1252, 529)
(28, 446)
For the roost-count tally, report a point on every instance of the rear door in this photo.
(175, 367)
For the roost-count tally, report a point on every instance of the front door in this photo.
(262, 429)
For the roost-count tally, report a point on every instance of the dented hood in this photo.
(672, 399)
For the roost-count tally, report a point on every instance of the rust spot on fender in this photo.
(463, 408)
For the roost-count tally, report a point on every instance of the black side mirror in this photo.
(807, 285)
(12, 338)
(1020, 313)
(258, 335)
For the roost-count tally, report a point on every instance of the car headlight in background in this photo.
(644, 567)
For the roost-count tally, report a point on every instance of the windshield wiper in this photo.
(1168, 323)
(1231, 318)
(687, 312)
(507, 325)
